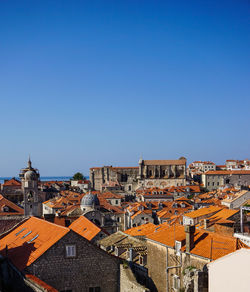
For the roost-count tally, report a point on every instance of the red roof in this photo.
(12, 182)
(45, 286)
(227, 172)
(30, 240)
(206, 244)
(12, 209)
(85, 228)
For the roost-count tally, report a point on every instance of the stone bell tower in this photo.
(32, 201)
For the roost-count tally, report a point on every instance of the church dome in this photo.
(89, 200)
(30, 175)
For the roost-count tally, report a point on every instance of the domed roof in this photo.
(89, 200)
(30, 175)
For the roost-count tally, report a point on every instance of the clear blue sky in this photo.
(91, 83)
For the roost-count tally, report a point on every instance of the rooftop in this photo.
(85, 228)
(206, 244)
(203, 211)
(30, 240)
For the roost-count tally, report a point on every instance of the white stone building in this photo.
(230, 273)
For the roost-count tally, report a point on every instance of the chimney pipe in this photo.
(189, 230)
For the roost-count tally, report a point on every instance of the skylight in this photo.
(20, 231)
(26, 234)
(32, 239)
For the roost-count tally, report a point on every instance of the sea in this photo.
(43, 178)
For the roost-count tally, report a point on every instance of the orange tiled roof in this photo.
(203, 211)
(142, 230)
(85, 228)
(13, 208)
(182, 199)
(165, 162)
(109, 195)
(47, 288)
(30, 240)
(227, 172)
(12, 182)
(206, 244)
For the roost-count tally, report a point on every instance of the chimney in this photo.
(130, 254)
(189, 230)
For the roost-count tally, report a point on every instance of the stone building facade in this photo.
(126, 177)
(60, 257)
(149, 173)
(12, 190)
(90, 268)
(176, 267)
(162, 173)
(219, 178)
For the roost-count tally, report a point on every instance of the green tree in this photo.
(78, 176)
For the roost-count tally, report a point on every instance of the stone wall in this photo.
(92, 267)
(128, 281)
(159, 257)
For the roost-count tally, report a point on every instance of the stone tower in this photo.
(32, 202)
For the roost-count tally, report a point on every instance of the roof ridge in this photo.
(43, 220)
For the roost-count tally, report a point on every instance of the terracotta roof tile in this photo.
(165, 162)
(13, 209)
(227, 172)
(85, 228)
(30, 240)
(39, 282)
(12, 182)
(207, 244)
(203, 211)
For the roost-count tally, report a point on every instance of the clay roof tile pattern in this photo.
(12, 182)
(40, 283)
(165, 162)
(13, 209)
(85, 228)
(206, 244)
(30, 240)
(203, 211)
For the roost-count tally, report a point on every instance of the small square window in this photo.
(70, 251)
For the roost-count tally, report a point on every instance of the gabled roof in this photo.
(30, 240)
(40, 283)
(206, 244)
(12, 182)
(13, 209)
(227, 172)
(142, 230)
(165, 162)
(109, 195)
(85, 228)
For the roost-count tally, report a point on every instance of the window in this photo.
(5, 209)
(95, 289)
(70, 251)
(116, 201)
(176, 283)
(141, 260)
